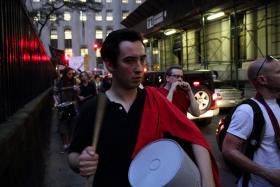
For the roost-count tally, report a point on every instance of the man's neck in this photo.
(85, 83)
(267, 94)
(125, 97)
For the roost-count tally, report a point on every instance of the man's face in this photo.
(70, 74)
(273, 76)
(176, 75)
(97, 79)
(129, 70)
(84, 77)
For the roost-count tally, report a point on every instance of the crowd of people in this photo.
(135, 115)
(72, 89)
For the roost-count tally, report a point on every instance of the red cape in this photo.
(161, 116)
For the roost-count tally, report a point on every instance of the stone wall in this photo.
(24, 140)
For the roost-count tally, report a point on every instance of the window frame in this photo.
(67, 16)
(109, 15)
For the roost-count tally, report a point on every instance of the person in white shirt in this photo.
(264, 169)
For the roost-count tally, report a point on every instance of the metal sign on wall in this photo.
(156, 19)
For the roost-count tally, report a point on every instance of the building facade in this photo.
(80, 33)
(221, 35)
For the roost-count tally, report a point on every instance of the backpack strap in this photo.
(254, 140)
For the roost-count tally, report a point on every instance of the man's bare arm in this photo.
(203, 161)
(231, 150)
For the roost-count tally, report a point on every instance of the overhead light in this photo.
(215, 16)
(145, 41)
(169, 32)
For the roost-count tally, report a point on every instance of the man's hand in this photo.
(88, 161)
(76, 87)
(174, 86)
(185, 86)
(82, 98)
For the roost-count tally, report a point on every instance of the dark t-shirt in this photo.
(68, 94)
(117, 139)
(89, 90)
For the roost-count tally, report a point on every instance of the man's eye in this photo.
(129, 60)
(143, 59)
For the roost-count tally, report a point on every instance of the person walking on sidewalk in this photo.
(133, 118)
(67, 92)
(264, 169)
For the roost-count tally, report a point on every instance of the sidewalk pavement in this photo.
(58, 173)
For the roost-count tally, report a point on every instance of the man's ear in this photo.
(167, 78)
(262, 80)
(109, 66)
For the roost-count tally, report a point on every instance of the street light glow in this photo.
(169, 32)
(145, 41)
(215, 16)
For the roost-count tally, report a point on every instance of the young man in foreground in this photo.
(133, 118)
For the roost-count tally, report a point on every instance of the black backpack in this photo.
(253, 141)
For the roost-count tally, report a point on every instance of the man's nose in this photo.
(139, 65)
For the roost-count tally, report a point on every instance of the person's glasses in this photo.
(177, 76)
(267, 59)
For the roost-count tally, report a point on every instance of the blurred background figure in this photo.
(66, 95)
(178, 91)
(67, 86)
(56, 82)
(106, 83)
(90, 76)
(97, 80)
(87, 88)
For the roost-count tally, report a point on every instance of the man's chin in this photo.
(274, 89)
(132, 86)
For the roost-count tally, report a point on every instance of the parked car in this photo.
(227, 96)
(203, 88)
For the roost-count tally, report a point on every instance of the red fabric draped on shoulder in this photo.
(161, 116)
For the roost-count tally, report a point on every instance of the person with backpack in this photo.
(263, 169)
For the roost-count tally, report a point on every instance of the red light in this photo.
(26, 57)
(35, 58)
(45, 58)
(95, 46)
(66, 57)
(196, 83)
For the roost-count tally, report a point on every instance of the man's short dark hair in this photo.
(169, 70)
(110, 48)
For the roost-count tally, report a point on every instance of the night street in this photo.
(209, 131)
(133, 59)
